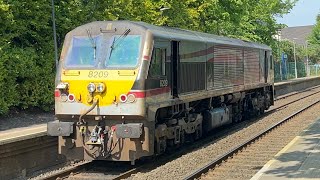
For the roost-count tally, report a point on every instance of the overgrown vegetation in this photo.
(27, 66)
(313, 42)
(310, 48)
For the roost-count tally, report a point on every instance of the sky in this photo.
(303, 13)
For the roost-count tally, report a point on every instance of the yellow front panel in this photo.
(117, 82)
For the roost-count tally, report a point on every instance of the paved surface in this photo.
(295, 85)
(300, 159)
(295, 80)
(26, 150)
(23, 133)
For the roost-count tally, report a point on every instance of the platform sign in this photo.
(284, 59)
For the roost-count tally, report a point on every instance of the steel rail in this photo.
(77, 170)
(127, 174)
(272, 110)
(67, 172)
(220, 159)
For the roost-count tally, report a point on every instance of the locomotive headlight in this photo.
(101, 87)
(91, 87)
(131, 98)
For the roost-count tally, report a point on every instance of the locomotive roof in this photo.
(182, 34)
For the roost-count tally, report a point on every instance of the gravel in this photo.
(179, 168)
(249, 160)
(46, 173)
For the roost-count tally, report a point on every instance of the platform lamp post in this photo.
(54, 34)
(294, 57)
(279, 51)
(307, 56)
(162, 9)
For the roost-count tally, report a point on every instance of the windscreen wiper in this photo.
(93, 43)
(111, 47)
(117, 41)
(120, 38)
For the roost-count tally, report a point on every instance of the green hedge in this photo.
(26, 56)
(26, 79)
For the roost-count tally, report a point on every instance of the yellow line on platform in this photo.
(269, 163)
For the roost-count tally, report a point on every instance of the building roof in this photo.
(298, 34)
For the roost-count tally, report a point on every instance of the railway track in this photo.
(65, 173)
(295, 93)
(95, 170)
(218, 142)
(85, 171)
(242, 161)
(276, 107)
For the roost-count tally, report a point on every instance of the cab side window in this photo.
(157, 65)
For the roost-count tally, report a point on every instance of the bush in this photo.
(26, 80)
(26, 56)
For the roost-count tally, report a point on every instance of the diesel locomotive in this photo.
(127, 90)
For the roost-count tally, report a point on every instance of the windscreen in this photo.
(83, 52)
(124, 51)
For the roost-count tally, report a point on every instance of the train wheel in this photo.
(161, 146)
(171, 146)
(198, 132)
(182, 137)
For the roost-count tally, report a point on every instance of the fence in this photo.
(314, 70)
(288, 70)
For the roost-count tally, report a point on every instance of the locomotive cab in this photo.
(99, 65)
(99, 96)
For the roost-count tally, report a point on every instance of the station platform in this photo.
(292, 81)
(300, 159)
(22, 133)
(295, 85)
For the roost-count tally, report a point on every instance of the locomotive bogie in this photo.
(118, 142)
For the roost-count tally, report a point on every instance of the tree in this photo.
(245, 19)
(287, 47)
(26, 68)
(313, 42)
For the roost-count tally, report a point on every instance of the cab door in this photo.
(266, 66)
(158, 75)
(175, 68)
